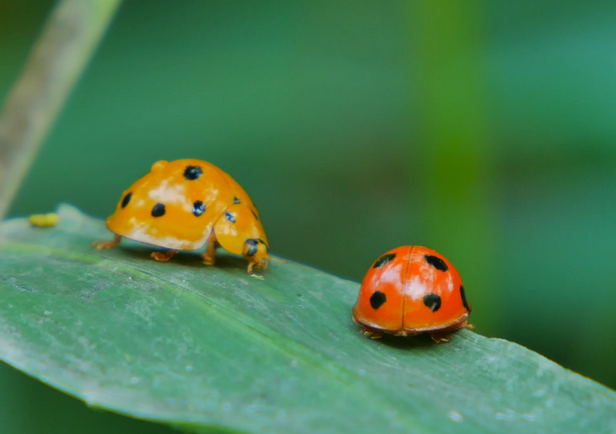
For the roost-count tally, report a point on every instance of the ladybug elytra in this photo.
(188, 204)
(412, 290)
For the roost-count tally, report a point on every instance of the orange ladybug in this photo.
(188, 204)
(412, 290)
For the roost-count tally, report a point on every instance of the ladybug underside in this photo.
(453, 325)
(169, 242)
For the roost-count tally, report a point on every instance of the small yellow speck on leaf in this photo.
(44, 220)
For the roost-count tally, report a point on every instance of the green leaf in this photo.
(212, 349)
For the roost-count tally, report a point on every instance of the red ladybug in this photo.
(412, 290)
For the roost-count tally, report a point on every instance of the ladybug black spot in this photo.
(158, 210)
(236, 200)
(230, 216)
(252, 247)
(432, 301)
(464, 302)
(436, 262)
(198, 208)
(377, 299)
(384, 260)
(126, 199)
(193, 172)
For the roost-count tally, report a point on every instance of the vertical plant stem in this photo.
(71, 35)
(456, 177)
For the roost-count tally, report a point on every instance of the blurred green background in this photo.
(486, 132)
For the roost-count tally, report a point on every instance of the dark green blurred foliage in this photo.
(486, 133)
(28, 406)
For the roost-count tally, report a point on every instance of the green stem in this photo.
(67, 43)
(456, 178)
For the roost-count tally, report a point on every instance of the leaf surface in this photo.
(212, 349)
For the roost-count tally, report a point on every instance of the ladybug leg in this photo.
(262, 262)
(469, 326)
(440, 337)
(209, 256)
(164, 256)
(107, 244)
(372, 334)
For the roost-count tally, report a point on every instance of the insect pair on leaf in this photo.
(189, 204)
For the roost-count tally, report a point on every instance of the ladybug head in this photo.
(256, 251)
